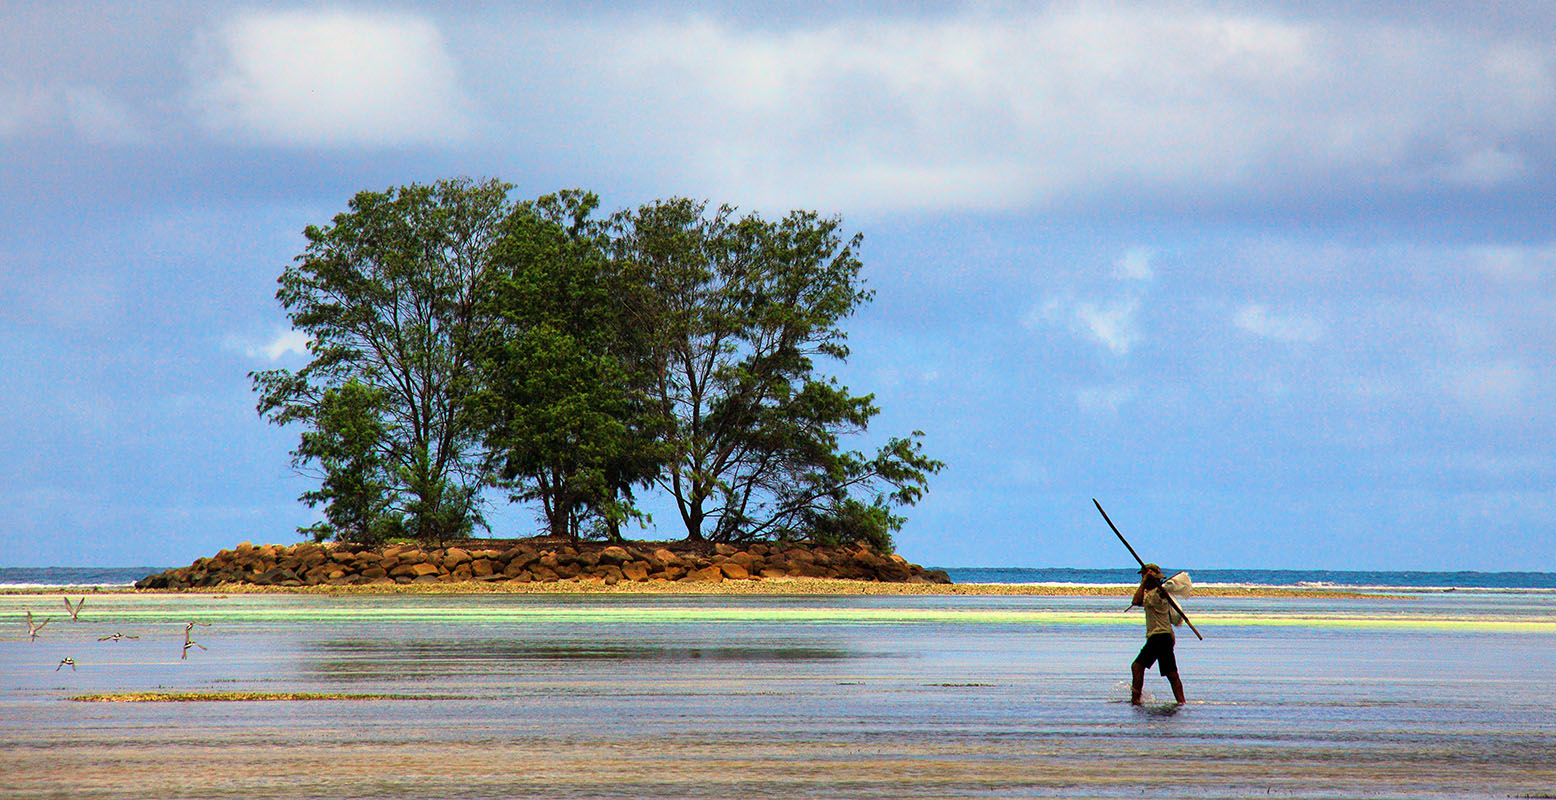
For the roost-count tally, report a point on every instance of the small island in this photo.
(538, 560)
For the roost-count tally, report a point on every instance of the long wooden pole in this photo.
(1163, 590)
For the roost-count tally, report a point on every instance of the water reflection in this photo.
(422, 659)
(493, 650)
(812, 698)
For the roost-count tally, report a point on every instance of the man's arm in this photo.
(1139, 599)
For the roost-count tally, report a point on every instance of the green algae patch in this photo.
(237, 697)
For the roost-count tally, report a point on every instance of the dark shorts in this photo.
(1158, 651)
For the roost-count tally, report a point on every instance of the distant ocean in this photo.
(22, 577)
(27, 577)
(1268, 577)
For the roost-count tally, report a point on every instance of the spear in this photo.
(1168, 597)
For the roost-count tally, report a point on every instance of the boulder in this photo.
(751, 562)
(705, 575)
(350, 564)
(520, 557)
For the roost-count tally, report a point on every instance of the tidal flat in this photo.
(674, 695)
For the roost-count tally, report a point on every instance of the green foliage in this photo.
(820, 502)
(847, 521)
(567, 415)
(345, 442)
(459, 341)
(388, 295)
(744, 307)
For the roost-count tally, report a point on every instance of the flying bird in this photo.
(189, 641)
(65, 661)
(34, 627)
(116, 637)
(74, 610)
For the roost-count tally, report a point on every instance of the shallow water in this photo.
(810, 697)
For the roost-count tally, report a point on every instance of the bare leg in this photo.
(1138, 682)
(1177, 687)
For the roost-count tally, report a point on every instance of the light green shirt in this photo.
(1158, 614)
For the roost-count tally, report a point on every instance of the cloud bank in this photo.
(1062, 104)
(330, 79)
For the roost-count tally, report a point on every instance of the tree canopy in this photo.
(460, 341)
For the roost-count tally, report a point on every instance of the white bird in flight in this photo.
(189, 641)
(34, 627)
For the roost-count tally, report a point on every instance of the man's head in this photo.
(1151, 575)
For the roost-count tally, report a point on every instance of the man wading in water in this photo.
(1158, 635)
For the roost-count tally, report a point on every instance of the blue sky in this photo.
(1273, 281)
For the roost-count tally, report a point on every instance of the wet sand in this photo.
(776, 695)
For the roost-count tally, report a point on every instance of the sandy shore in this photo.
(581, 697)
(769, 586)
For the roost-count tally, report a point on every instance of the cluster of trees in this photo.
(461, 341)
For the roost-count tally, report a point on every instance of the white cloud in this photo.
(1293, 328)
(1112, 324)
(331, 78)
(23, 110)
(1109, 323)
(1135, 264)
(1498, 387)
(287, 342)
(1104, 399)
(1041, 106)
(1514, 264)
(88, 112)
(1484, 169)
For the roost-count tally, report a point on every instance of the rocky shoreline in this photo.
(535, 561)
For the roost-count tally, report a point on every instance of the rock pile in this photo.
(311, 564)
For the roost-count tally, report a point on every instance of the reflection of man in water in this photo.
(1158, 635)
